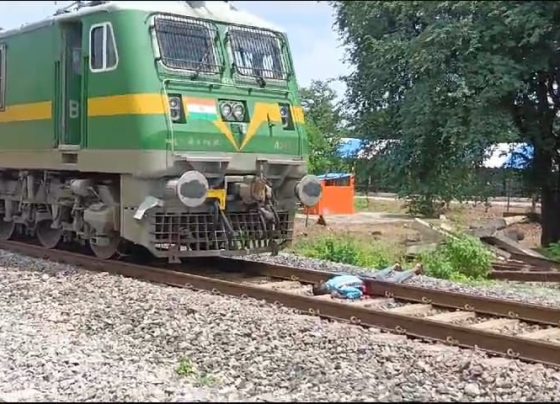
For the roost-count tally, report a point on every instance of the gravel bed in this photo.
(72, 335)
(537, 293)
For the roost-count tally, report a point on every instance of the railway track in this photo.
(524, 272)
(502, 327)
(520, 265)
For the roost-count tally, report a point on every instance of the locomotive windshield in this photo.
(257, 53)
(186, 45)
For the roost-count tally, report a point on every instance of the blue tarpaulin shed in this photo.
(333, 176)
(350, 147)
(502, 155)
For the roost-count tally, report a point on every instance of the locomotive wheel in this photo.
(107, 251)
(7, 229)
(48, 237)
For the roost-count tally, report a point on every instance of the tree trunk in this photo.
(550, 216)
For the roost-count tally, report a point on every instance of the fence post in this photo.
(367, 190)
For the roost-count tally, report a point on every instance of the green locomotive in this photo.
(175, 126)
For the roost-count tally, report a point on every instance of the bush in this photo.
(349, 251)
(552, 251)
(186, 367)
(424, 206)
(463, 258)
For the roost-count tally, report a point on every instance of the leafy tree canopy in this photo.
(448, 79)
(324, 127)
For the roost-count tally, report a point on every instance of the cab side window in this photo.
(103, 55)
(2, 77)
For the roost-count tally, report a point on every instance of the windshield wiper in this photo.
(260, 79)
(200, 65)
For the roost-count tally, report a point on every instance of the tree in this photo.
(448, 79)
(324, 126)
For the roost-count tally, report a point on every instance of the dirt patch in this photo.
(476, 215)
(400, 233)
(385, 221)
(532, 233)
(380, 205)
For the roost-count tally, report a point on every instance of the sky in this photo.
(317, 52)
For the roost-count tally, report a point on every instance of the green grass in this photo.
(464, 259)
(187, 369)
(376, 205)
(205, 379)
(348, 250)
(552, 251)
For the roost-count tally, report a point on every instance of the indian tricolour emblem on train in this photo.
(202, 109)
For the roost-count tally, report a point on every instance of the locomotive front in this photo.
(235, 147)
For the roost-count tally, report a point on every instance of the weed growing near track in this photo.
(186, 368)
(349, 251)
(464, 259)
(552, 251)
(205, 380)
(461, 259)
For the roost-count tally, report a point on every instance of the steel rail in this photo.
(523, 272)
(435, 297)
(536, 261)
(511, 346)
(542, 262)
(526, 276)
(514, 266)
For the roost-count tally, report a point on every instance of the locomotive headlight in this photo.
(176, 108)
(175, 115)
(225, 109)
(286, 116)
(239, 112)
(174, 102)
(233, 110)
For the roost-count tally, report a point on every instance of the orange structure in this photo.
(338, 195)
